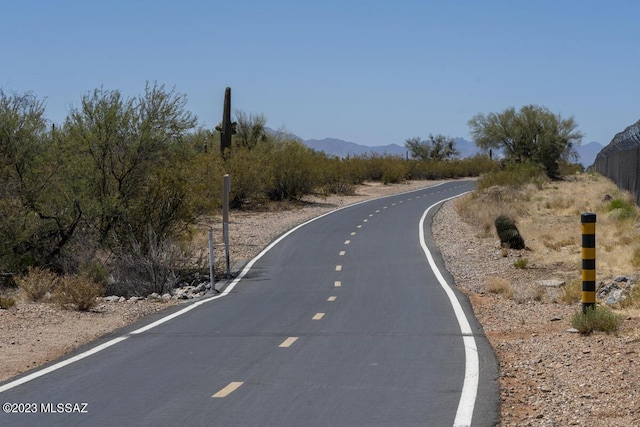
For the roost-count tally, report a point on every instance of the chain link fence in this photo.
(620, 160)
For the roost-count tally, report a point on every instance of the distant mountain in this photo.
(341, 148)
(587, 153)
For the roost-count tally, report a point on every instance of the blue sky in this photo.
(372, 72)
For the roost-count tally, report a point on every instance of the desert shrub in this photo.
(335, 175)
(249, 179)
(6, 302)
(621, 209)
(143, 269)
(292, 171)
(596, 319)
(78, 292)
(453, 168)
(386, 168)
(394, 171)
(515, 175)
(521, 263)
(37, 283)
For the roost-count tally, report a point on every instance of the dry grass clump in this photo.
(571, 292)
(37, 283)
(483, 207)
(78, 292)
(632, 301)
(500, 286)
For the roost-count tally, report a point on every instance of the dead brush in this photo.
(37, 283)
(78, 293)
(500, 286)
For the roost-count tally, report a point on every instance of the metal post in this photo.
(212, 278)
(225, 218)
(588, 221)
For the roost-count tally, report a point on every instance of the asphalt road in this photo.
(342, 322)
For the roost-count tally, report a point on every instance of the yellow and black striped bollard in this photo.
(588, 221)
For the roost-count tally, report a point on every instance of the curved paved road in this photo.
(341, 323)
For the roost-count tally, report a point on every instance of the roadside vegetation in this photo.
(547, 213)
(110, 200)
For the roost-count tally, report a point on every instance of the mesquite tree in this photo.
(532, 135)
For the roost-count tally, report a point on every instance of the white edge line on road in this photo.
(469, 392)
(44, 371)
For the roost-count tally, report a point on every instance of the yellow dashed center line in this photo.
(346, 242)
(365, 220)
(318, 316)
(288, 342)
(332, 298)
(337, 283)
(359, 226)
(353, 233)
(228, 389)
(342, 253)
(338, 267)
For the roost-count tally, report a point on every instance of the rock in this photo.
(615, 297)
(200, 288)
(112, 298)
(573, 331)
(154, 296)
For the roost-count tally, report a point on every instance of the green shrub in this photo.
(516, 175)
(454, 168)
(78, 292)
(596, 319)
(37, 283)
(521, 263)
(249, 178)
(292, 171)
(622, 209)
(6, 302)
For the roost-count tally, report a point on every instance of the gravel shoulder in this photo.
(548, 375)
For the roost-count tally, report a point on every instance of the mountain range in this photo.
(338, 147)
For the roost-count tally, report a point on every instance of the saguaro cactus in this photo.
(508, 232)
(226, 128)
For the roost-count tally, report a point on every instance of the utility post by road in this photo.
(225, 219)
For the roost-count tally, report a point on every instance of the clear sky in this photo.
(371, 72)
